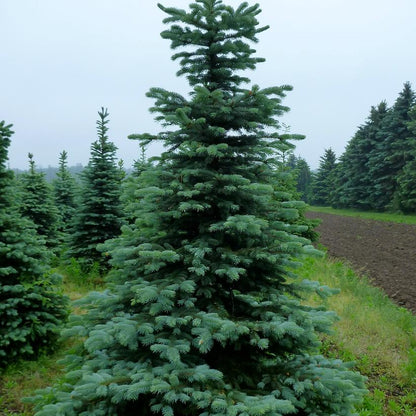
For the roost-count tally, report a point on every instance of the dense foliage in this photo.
(377, 169)
(31, 307)
(202, 315)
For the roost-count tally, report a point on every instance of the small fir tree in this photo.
(134, 183)
(202, 316)
(99, 216)
(64, 189)
(323, 181)
(37, 204)
(31, 307)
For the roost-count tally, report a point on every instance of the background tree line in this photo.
(377, 170)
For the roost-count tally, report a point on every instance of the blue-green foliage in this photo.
(201, 315)
(31, 306)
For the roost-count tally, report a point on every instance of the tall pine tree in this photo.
(31, 307)
(354, 181)
(406, 189)
(202, 316)
(99, 216)
(392, 151)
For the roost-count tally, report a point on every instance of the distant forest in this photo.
(51, 171)
(377, 170)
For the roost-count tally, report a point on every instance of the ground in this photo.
(383, 251)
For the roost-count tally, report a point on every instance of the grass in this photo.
(379, 216)
(377, 335)
(22, 379)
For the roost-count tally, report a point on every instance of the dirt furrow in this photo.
(384, 251)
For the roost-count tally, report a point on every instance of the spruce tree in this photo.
(406, 190)
(133, 183)
(354, 183)
(99, 216)
(31, 307)
(37, 204)
(64, 189)
(393, 150)
(202, 315)
(323, 181)
(303, 179)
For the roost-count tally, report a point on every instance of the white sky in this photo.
(61, 61)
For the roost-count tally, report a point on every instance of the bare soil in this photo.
(383, 251)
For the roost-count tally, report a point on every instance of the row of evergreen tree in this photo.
(73, 215)
(377, 170)
(203, 312)
(43, 223)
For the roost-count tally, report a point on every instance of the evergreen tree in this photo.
(99, 216)
(37, 204)
(303, 179)
(65, 187)
(133, 183)
(406, 190)
(354, 183)
(323, 182)
(31, 308)
(393, 150)
(200, 317)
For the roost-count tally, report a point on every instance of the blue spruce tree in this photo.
(202, 315)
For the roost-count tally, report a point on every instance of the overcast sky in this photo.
(61, 61)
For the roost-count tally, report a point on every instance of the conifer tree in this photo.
(323, 182)
(133, 184)
(303, 179)
(406, 189)
(31, 308)
(64, 188)
(355, 177)
(99, 216)
(37, 204)
(200, 317)
(393, 150)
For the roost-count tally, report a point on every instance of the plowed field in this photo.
(383, 251)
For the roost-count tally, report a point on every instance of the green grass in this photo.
(373, 332)
(379, 216)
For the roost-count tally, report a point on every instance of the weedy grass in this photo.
(23, 378)
(370, 215)
(377, 335)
